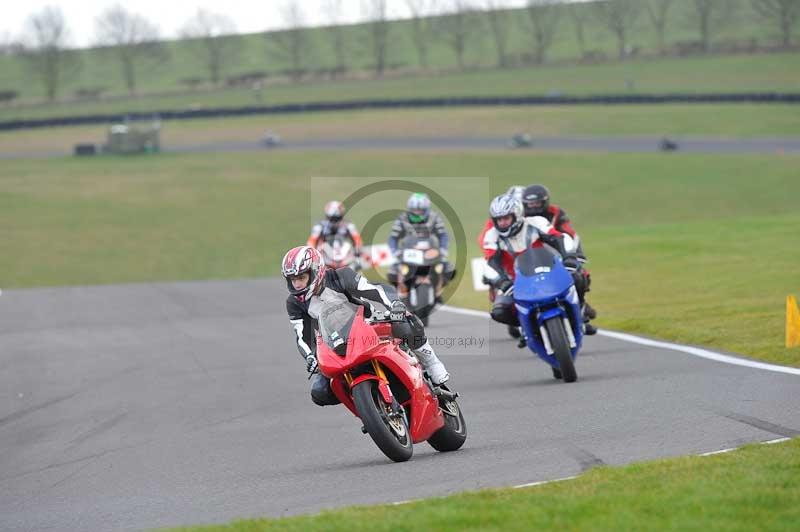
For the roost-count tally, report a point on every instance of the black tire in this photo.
(394, 442)
(454, 433)
(424, 319)
(558, 340)
(556, 373)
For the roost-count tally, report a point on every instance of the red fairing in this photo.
(365, 343)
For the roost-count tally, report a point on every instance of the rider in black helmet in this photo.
(536, 202)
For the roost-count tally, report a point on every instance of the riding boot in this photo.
(436, 370)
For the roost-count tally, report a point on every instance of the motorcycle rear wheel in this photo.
(386, 424)
(454, 433)
(558, 340)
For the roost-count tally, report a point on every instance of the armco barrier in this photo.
(608, 99)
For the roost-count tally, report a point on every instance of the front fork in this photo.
(546, 337)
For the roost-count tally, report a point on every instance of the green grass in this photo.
(754, 488)
(742, 73)
(717, 120)
(692, 248)
(160, 88)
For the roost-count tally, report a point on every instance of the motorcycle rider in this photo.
(311, 285)
(536, 202)
(516, 191)
(334, 224)
(418, 217)
(511, 235)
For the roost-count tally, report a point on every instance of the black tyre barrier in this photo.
(608, 99)
(85, 149)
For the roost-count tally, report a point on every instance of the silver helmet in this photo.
(503, 206)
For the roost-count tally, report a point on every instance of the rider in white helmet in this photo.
(511, 235)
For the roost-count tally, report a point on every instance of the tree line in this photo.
(133, 42)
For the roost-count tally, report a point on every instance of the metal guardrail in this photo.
(608, 99)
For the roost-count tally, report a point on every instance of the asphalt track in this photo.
(591, 144)
(151, 405)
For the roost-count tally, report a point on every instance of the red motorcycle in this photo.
(374, 377)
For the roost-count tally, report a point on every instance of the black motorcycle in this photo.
(421, 268)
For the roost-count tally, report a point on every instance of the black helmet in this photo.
(536, 200)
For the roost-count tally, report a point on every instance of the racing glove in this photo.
(398, 311)
(506, 287)
(311, 363)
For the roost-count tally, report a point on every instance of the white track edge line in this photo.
(779, 440)
(543, 482)
(695, 351)
(711, 453)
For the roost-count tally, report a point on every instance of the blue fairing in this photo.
(550, 283)
(543, 289)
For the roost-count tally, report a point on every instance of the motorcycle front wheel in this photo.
(385, 424)
(558, 340)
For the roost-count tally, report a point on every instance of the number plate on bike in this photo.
(413, 256)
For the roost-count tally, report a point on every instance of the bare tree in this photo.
(456, 26)
(619, 16)
(579, 14)
(658, 10)
(132, 39)
(335, 32)
(6, 44)
(377, 16)
(43, 48)
(783, 12)
(422, 26)
(293, 42)
(543, 16)
(213, 39)
(710, 16)
(499, 21)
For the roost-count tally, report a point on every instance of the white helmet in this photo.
(418, 207)
(506, 205)
(516, 191)
(334, 211)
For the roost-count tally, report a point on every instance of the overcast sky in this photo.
(250, 16)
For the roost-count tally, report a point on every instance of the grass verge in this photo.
(756, 487)
(690, 248)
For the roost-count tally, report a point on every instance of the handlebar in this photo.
(381, 317)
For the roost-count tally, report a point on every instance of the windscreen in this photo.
(535, 261)
(335, 321)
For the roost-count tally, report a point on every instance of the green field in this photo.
(754, 488)
(717, 120)
(692, 248)
(742, 73)
(160, 87)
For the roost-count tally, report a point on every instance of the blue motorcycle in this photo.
(548, 310)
